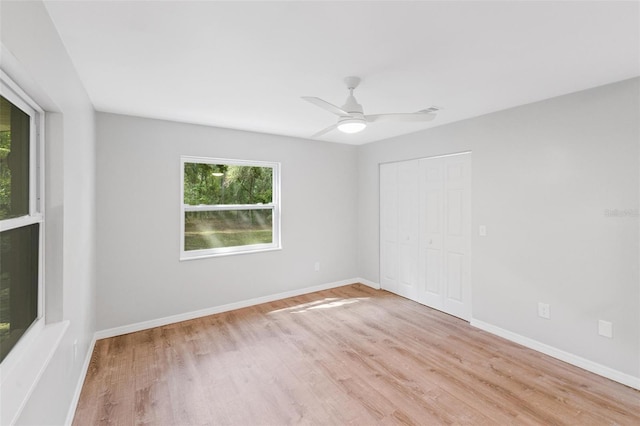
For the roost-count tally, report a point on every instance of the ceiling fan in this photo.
(351, 118)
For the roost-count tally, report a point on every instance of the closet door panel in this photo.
(408, 205)
(389, 226)
(431, 232)
(457, 298)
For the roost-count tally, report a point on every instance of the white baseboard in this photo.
(368, 283)
(144, 325)
(83, 374)
(601, 370)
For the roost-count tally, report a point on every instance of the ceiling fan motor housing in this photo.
(352, 106)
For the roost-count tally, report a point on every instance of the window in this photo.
(229, 207)
(21, 219)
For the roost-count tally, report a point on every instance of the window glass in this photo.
(14, 160)
(227, 228)
(227, 184)
(19, 250)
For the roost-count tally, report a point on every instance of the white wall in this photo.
(140, 276)
(35, 56)
(543, 176)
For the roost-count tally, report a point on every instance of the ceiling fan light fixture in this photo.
(352, 125)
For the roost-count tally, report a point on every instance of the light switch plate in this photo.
(483, 230)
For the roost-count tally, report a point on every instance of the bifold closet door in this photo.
(425, 231)
(399, 206)
(445, 234)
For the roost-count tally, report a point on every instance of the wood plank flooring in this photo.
(351, 355)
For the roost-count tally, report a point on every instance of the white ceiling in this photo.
(244, 65)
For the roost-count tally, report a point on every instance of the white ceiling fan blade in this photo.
(323, 131)
(410, 116)
(326, 105)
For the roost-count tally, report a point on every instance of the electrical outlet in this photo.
(317, 266)
(482, 230)
(75, 350)
(605, 328)
(544, 310)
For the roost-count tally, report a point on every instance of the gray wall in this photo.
(543, 176)
(32, 46)
(138, 184)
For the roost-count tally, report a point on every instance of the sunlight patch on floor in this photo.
(327, 303)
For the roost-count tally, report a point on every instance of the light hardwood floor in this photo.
(351, 355)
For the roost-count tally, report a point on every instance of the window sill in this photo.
(23, 367)
(203, 254)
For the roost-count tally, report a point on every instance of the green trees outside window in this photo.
(211, 184)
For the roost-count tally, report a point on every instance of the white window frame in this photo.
(14, 94)
(274, 206)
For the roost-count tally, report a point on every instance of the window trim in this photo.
(275, 206)
(13, 93)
